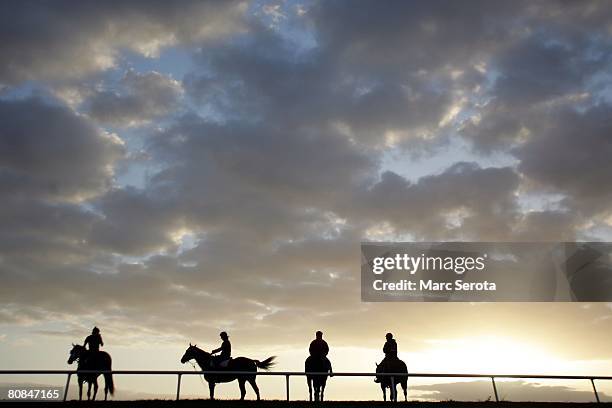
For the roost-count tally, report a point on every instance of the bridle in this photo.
(201, 376)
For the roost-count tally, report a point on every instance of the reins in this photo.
(201, 376)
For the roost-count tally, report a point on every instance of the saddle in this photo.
(222, 365)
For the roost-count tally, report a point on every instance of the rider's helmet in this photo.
(389, 336)
(223, 335)
(95, 330)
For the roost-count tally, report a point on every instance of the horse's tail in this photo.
(109, 384)
(266, 364)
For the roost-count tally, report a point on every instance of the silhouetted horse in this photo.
(317, 365)
(393, 366)
(247, 365)
(92, 360)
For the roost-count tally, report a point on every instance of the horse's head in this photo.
(75, 353)
(191, 353)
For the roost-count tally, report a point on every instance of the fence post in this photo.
(287, 385)
(178, 386)
(595, 390)
(495, 389)
(67, 385)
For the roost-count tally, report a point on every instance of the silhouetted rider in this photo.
(390, 350)
(94, 340)
(226, 351)
(318, 347)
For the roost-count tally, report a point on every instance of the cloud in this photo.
(570, 155)
(257, 179)
(534, 79)
(48, 151)
(298, 87)
(67, 40)
(145, 97)
(134, 223)
(466, 198)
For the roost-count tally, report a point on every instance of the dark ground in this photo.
(327, 404)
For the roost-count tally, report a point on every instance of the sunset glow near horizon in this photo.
(171, 170)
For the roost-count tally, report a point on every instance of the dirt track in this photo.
(329, 404)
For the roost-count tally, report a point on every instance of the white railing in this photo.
(288, 374)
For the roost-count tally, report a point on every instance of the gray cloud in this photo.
(314, 90)
(49, 151)
(134, 223)
(65, 40)
(261, 180)
(570, 154)
(464, 199)
(143, 97)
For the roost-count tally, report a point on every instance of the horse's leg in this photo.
(242, 388)
(384, 390)
(309, 382)
(317, 388)
(322, 389)
(394, 392)
(95, 388)
(88, 390)
(80, 381)
(253, 382)
(211, 388)
(106, 387)
(405, 387)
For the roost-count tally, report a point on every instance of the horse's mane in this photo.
(200, 351)
(201, 356)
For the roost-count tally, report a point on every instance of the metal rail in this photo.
(288, 374)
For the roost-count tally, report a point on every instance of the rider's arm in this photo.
(216, 350)
(101, 342)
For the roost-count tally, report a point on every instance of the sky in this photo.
(169, 170)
